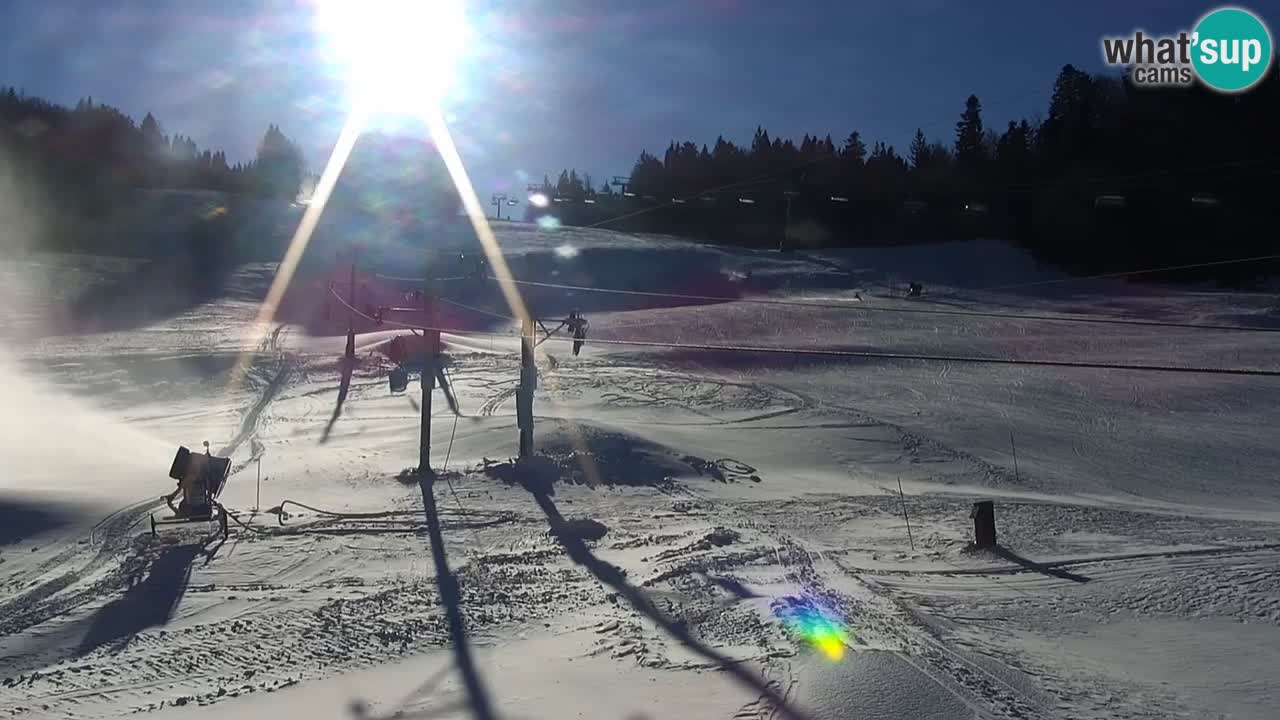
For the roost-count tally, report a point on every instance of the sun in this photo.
(396, 55)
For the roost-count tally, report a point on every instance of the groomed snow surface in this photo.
(686, 507)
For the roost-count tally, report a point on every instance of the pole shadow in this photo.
(1050, 569)
(344, 387)
(451, 599)
(541, 487)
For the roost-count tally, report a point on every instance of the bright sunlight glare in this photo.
(397, 55)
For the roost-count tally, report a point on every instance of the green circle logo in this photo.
(1231, 49)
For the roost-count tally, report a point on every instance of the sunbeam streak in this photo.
(475, 213)
(302, 235)
(439, 130)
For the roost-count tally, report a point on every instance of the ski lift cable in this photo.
(932, 311)
(928, 311)
(905, 311)
(1119, 274)
(472, 308)
(448, 452)
(383, 321)
(881, 355)
(398, 278)
(938, 358)
(546, 331)
(475, 534)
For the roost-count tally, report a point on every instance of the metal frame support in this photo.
(431, 347)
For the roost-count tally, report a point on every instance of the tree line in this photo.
(1112, 176)
(68, 169)
(98, 142)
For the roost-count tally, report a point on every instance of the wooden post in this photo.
(1015, 457)
(351, 293)
(786, 224)
(984, 523)
(903, 499)
(524, 393)
(257, 502)
(349, 357)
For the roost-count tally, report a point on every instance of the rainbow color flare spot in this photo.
(815, 623)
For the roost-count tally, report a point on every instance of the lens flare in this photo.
(539, 200)
(398, 55)
(549, 222)
(815, 623)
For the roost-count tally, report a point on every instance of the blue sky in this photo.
(557, 83)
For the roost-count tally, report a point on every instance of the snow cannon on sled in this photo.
(201, 478)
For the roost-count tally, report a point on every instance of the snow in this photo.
(681, 500)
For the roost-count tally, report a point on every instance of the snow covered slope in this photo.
(703, 533)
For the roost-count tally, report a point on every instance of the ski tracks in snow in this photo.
(878, 619)
(109, 538)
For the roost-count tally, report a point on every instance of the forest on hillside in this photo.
(69, 179)
(1113, 176)
(96, 146)
(67, 171)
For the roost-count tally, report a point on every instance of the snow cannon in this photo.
(399, 353)
(201, 478)
(577, 325)
(983, 515)
(399, 379)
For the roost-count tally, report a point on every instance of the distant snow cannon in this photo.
(201, 478)
(399, 379)
(577, 325)
(399, 353)
(983, 515)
